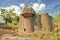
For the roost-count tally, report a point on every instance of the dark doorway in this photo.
(24, 29)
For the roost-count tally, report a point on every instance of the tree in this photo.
(14, 16)
(17, 18)
(3, 13)
(6, 15)
(9, 16)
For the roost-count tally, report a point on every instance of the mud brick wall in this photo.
(46, 22)
(38, 24)
(26, 24)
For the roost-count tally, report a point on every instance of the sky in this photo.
(50, 6)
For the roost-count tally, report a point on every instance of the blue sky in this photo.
(50, 6)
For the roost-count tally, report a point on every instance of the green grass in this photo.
(8, 27)
(5, 27)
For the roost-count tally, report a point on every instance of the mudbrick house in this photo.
(27, 21)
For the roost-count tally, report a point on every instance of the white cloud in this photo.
(42, 6)
(22, 5)
(16, 9)
(35, 6)
(39, 7)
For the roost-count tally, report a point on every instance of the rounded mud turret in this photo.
(27, 18)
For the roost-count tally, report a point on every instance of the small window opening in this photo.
(24, 29)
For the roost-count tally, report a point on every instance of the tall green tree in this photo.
(9, 16)
(3, 13)
(6, 15)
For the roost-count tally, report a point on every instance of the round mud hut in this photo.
(27, 18)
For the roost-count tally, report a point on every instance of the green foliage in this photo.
(57, 18)
(42, 37)
(17, 18)
(5, 27)
(35, 35)
(8, 27)
(9, 16)
(9, 20)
